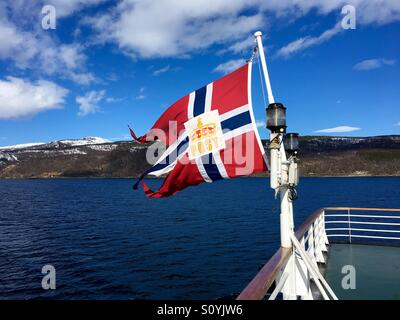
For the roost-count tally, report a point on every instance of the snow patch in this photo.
(5, 157)
(105, 148)
(22, 146)
(58, 144)
(71, 151)
(348, 139)
(84, 141)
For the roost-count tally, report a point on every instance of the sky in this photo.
(107, 64)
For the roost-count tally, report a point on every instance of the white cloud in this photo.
(112, 99)
(89, 102)
(68, 7)
(30, 48)
(141, 94)
(21, 98)
(164, 28)
(84, 78)
(16, 45)
(308, 41)
(370, 64)
(32, 9)
(66, 60)
(339, 129)
(260, 124)
(112, 77)
(175, 28)
(241, 46)
(367, 12)
(152, 29)
(161, 70)
(229, 66)
(377, 12)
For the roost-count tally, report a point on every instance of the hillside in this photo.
(97, 157)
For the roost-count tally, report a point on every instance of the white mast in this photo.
(258, 35)
(284, 178)
(279, 166)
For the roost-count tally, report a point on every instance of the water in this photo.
(109, 242)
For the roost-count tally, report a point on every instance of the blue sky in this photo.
(112, 63)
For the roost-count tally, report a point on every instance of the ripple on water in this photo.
(108, 242)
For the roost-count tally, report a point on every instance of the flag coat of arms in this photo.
(210, 135)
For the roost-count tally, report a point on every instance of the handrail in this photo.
(362, 216)
(258, 287)
(307, 223)
(361, 209)
(370, 219)
(365, 237)
(273, 269)
(366, 230)
(362, 222)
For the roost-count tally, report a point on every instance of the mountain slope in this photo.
(97, 157)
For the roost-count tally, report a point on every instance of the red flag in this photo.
(211, 135)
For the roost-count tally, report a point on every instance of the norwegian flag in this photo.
(213, 136)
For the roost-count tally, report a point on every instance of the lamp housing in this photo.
(276, 117)
(291, 143)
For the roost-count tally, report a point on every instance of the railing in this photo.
(310, 242)
(293, 270)
(360, 224)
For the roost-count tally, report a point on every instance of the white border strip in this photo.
(168, 168)
(190, 105)
(220, 165)
(209, 91)
(252, 116)
(238, 131)
(171, 148)
(234, 112)
(202, 171)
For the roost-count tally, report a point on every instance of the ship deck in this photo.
(377, 270)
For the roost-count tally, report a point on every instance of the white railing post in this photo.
(304, 285)
(349, 223)
(318, 278)
(297, 282)
(325, 235)
(279, 286)
(311, 244)
(317, 239)
(322, 241)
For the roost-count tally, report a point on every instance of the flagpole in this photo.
(258, 36)
(279, 166)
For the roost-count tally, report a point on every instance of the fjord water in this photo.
(109, 242)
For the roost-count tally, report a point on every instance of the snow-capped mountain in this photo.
(98, 157)
(22, 146)
(89, 156)
(56, 144)
(85, 141)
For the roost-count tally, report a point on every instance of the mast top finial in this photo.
(257, 33)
